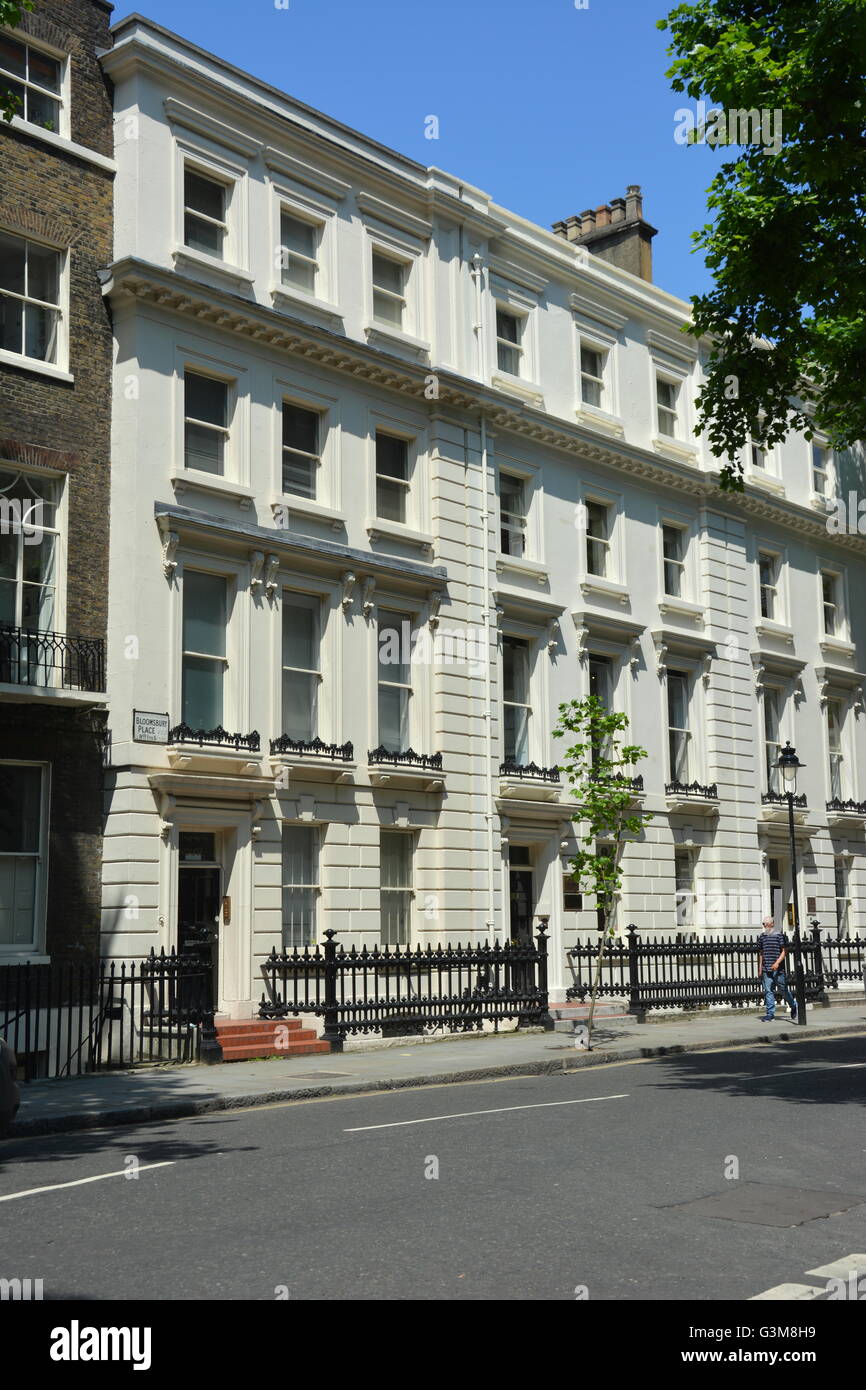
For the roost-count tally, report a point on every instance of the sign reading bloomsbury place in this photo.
(148, 727)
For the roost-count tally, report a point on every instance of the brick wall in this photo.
(55, 195)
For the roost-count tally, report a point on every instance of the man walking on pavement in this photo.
(773, 947)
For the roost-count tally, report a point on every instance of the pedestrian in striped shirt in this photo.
(773, 948)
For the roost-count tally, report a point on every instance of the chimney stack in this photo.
(615, 232)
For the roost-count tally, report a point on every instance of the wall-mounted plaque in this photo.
(148, 727)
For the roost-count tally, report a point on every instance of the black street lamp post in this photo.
(789, 765)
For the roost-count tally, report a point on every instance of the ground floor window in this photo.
(843, 905)
(21, 853)
(395, 860)
(685, 893)
(300, 885)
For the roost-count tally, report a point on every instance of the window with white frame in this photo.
(773, 701)
(30, 294)
(204, 660)
(205, 212)
(601, 686)
(667, 411)
(592, 361)
(29, 545)
(390, 277)
(835, 755)
(302, 449)
(516, 711)
(205, 423)
(768, 584)
(392, 477)
(22, 857)
(821, 470)
(394, 657)
(35, 80)
(395, 887)
(674, 540)
(679, 734)
(509, 341)
(512, 515)
(599, 518)
(302, 674)
(300, 886)
(757, 455)
(684, 876)
(843, 901)
(831, 603)
(299, 252)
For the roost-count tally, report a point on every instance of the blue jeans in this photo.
(768, 981)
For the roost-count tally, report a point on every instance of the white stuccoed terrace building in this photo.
(396, 470)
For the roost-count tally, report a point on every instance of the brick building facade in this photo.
(56, 177)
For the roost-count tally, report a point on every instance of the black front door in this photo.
(198, 904)
(520, 919)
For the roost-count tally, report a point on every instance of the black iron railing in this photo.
(214, 738)
(427, 762)
(401, 990)
(660, 972)
(619, 779)
(857, 808)
(781, 799)
(530, 772)
(315, 748)
(708, 791)
(67, 1019)
(51, 660)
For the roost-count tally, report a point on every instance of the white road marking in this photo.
(842, 1269)
(79, 1182)
(798, 1071)
(789, 1293)
(465, 1114)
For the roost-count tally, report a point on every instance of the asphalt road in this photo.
(545, 1186)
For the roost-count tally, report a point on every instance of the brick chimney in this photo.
(615, 232)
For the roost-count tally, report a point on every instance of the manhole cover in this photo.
(761, 1204)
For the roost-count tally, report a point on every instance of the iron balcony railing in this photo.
(51, 660)
(781, 799)
(857, 808)
(426, 762)
(214, 738)
(529, 772)
(619, 779)
(708, 790)
(315, 748)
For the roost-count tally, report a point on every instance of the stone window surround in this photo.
(56, 236)
(55, 43)
(297, 390)
(35, 952)
(320, 212)
(202, 158)
(235, 693)
(235, 479)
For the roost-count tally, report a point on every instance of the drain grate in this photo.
(762, 1204)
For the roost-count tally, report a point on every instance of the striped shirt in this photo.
(772, 944)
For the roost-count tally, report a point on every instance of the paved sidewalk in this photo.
(170, 1092)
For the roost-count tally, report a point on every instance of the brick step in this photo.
(241, 1025)
(265, 1035)
(248, 1052)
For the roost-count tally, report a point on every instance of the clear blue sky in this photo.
(548, 108)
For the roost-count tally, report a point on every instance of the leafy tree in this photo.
(600, 769)
(10, 18)
(787, 248)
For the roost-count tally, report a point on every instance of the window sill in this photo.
(62, 142)
(307, 506)
(606, 588)
(307, 304)
(681, 608)
(822, 503)
(767, 482)
(518, 564)
(595, 419)
(196, 260)
(378, 529)
(837, 646)
(768, 628)
(672, 448)
(195, 481)
(516, 386)
(24, 957)
(378, 335)
(32, 364)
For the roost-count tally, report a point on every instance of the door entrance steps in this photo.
(242, 1040)
(566, 1015)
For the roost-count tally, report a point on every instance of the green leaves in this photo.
(10, 18)
(600, 770)
(786, 318)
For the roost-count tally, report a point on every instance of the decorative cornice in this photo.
(201, 123)
(394, 216)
